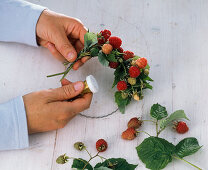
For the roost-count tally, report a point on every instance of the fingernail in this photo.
(70, 56)
(78, 86)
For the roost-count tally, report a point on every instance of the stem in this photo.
(90, 160)
(124, 68)
(77, 159)
(187, 162)
(88, 152)
(160, 131)
(56, 74)
(144, 132)
(157, 128)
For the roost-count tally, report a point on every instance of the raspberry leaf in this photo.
(80, 164)
(102, 59)
(102, 168)
(158, 112)
(155, 152)
(187, 146)
(90, 39)
(116, 164)
(111, 57)
(179, 114)
(119, 75)
(122, 103)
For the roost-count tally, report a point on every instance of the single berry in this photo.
(113, 65)
(127, 55)
(181, 127)
(141, 62)
(134, 71)
(115, 42)
(107, 48)
(146, 72)
(103, 36)
(62, 159)
(79, 146)
(129, 134)
(121, 85)
(101, 145)
(124, 95)
(131, 80)
(134, 123)
(106, 34)
(120, 49)
(136, 97)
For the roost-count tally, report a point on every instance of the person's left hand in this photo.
(62, 35)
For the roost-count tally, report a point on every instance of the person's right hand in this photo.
(49, 109)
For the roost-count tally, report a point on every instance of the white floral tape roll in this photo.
(92, 83)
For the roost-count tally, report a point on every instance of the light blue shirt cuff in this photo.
(18, 21)
(13, 125)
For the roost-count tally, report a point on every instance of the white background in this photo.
(171, 34)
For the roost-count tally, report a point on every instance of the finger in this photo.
(63, 45)
(78, 105)
(85, 59)
(79, 46)
(51, 47)
(77, 65)
(66, 92)
(65, 82)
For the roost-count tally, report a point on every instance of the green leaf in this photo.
(94, 51)
(102, 168)
(102, 59)
(111, 57)
(136, 57)
(155, 152)
(62, 159)
(116, 164)
(158, 112)
(187, 146)
(80, 163)
(90, 39)
(119, 74)
(179, 114)
(122, 103)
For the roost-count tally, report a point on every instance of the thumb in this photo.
(66, 92)
(63, 45)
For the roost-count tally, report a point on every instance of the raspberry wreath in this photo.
(131, 71)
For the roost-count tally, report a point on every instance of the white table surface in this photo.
(172, 34)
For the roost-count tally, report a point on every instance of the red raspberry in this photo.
(134, 123)
(128, 55)
(141, 62)
(120, 49)
(121, 85)
(101, 145)
(106, 34)
(181, 127)
(134, 71)
(129, 134)
(113, 65)
(115, 42)
(103, 36)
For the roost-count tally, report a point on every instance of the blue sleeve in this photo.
(18, 21)
(13, 125)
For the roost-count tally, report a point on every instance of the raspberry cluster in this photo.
(131, 71)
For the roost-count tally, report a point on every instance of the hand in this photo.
(62, 35)
(49, 109)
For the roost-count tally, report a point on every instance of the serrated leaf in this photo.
(187, 146)
(80, 164)
(102, 168)
(155, 152)
(94, 51)
(90, 39)
(122, 103)
(158, 112)
(119, 74)
(111, 57)
(179, 114)
(116, 164)
(102, 59)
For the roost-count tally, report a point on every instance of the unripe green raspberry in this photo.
(146, 72)
(131, 80)
(120, 60)
(124, 95)
(79, 146)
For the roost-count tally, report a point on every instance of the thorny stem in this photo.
(187, 162)
(144, 132)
